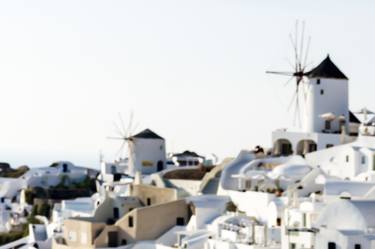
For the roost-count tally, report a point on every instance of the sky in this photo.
(193, 71)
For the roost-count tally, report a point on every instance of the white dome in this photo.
(348, 215)
(290, 171)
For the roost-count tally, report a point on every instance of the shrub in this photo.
(44, 209)
(11, 236)
(231, 207)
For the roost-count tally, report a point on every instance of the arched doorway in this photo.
(306, 146)
(283, 147)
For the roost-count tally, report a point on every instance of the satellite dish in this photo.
(329, 116)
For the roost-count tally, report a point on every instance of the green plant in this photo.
(44, 209)
(11, 236)
(231, 207)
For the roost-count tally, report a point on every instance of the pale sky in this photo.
(193, 71)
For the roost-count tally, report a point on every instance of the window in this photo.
(304, 219)
(321, 91)
(72, 236)
(293, 246)
(347, 158)
(357, 246)
(182, 163)
(148, 201)
(278, 222)
(180, 221)
(318, 81)
(327, 125)
(363, 160)
(130, 221)
(329, 145)
(65, 167)
(331, 245)
(113, 169)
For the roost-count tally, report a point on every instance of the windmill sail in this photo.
(299, 73)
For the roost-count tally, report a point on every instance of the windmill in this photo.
(301, 47)
(124, 133)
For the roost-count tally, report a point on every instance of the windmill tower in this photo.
(326, 99)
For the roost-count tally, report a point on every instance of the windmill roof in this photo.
(326, 69)
(147, 134)
(353, 118)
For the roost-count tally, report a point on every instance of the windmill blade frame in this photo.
(125, 132)
(117, 138)
(281, 73)
(118, 130)
(122, 124)
(121, 149)
(300, 48)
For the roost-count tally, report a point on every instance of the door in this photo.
(331, 245)
(116, 213)
(160, 166)
(112, 239)
(180, 221)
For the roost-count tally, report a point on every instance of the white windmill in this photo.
(145, 150)
(321, 102)
(321, 90)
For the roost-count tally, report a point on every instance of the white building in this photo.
(297, 229)
(187, 158)
(323, 112)
(346, 224)
(354, 161)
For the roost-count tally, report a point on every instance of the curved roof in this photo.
(348, 215)
(326, 69)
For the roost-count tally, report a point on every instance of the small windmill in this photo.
(301, 48)
(124, 133)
